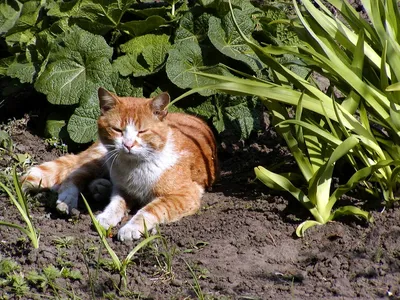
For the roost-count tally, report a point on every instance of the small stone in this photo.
(176, 282)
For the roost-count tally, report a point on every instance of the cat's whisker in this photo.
(110, 155)
(112, 163)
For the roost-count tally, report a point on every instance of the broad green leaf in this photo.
(300, 230)
(184, 60)
(127, 87)
(78, 63)
(141, 27)
(5, 64)
(24, 71)
(101, 16)
(151, 11)
(244, 115)
(9, 13)
(192, 27)
(205, 109)
(28, 16)
(82, 126)
(222, 6)
(227, 40)
(20, 38)
(145, 55)
(63, 9)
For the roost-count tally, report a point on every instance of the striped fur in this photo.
(162, 162)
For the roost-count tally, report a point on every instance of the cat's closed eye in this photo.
(143, 130)
(116, 129)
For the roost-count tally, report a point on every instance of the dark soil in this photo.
(241, 245)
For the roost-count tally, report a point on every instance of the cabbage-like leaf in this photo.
(224, 36)
(140, 27)
(144, 55)
(100, 16)
(9, 14)
(82, 126)
(222, 6)
(184, 61)
(28, 17)
(23, 70)
(78, 61)
(192, 26)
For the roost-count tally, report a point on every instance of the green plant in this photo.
(196, 285)
(47, 279)
(66, 50)
(19, 286)
(360, 127)
(120, 266)
(164, 254)
(64, 241)
(21, 204)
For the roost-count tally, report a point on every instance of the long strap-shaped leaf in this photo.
(276, 181)
(356, 179)
(320, 184)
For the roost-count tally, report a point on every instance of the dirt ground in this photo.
(241, 245)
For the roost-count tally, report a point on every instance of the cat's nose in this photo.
(128, 144)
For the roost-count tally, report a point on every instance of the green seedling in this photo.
(20, 203)
(19, 286)
(119, 265)
(71, 274)
(164, 255)
(47, 280)
(64, 242)
(196, 285)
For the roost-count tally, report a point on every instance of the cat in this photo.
(160, 161)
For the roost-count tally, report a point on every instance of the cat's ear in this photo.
(159, 104)
(107, 100)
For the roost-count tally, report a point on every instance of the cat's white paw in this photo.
(107, 220)
(68, 199)
(130, 232)
(100, 189)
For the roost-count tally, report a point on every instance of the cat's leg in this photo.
(114, 212)
(67, 175)
(100, 189)
(70, 189)
(163, 209)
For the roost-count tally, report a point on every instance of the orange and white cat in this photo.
(161, 161)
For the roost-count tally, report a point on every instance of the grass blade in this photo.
(102, 234)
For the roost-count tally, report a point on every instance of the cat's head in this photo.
(133, 127)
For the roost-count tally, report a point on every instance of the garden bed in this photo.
(241, 245)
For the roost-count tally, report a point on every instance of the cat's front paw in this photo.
(130, 232)
(107, 220)
(100, 189)
(67, 199)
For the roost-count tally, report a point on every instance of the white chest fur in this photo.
(138, 177)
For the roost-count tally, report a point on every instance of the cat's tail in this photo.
(50, 175)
